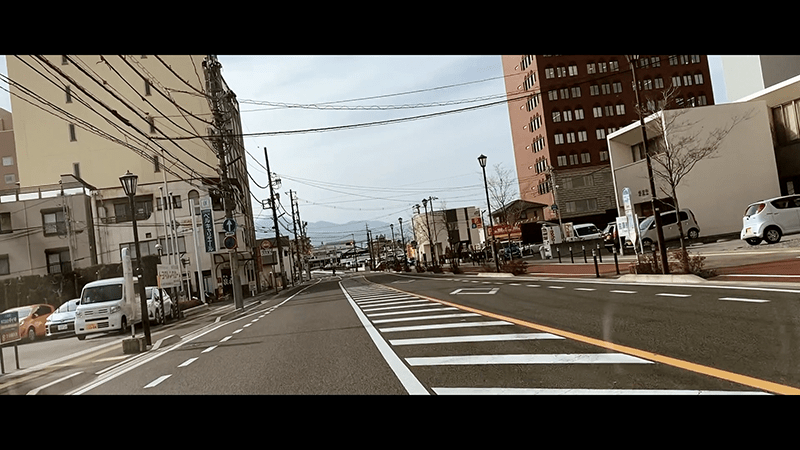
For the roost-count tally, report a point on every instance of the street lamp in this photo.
(403, 238)
(430, 239)
(632, 59)
(482, 161)
(394, 255)
(129, 182)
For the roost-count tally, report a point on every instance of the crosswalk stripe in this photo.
(445, 325)
(475, 338)
(564, 358)
(410, 319)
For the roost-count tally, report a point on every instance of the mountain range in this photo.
(323, 232)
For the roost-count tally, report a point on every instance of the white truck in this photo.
(110, 304)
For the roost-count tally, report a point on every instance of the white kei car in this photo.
(769, 220)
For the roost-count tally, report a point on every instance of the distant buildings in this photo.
(447, 232)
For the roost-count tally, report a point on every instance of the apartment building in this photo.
(454, 229)
(99, 116)
(562, 108)
(9, 176)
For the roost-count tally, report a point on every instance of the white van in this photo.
(108, 305)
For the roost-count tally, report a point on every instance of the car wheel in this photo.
(647, 242)
(694, 234)
(31, 334)
(123, 326)
(81, 337)
(772, 236)
(753, 241)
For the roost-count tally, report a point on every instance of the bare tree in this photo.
(681, 144)
(503, 190)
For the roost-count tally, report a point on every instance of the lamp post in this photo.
(430, 239)
(403, 238)
(632, 59)
(129, 182)
(482, 160)
(394, 255)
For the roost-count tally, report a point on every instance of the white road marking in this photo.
(667, 294)
(209, 349)
(555, 287)
(391, 302)
(532, 285)
(567, 358)
(445, 325)
(247, 325)
(225, 339)
(752, 300)
(524, 391)
(37, 390)
(441, 316)
(475, 338)
(187, 362)
(384, 308)
(622, 292)
(392, 313)
(237, 331)
(585, 289)
(475, 291)
(157, 381)
(513, 284)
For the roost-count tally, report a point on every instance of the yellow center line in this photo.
(698, 368)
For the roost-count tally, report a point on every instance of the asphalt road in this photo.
(394, 334)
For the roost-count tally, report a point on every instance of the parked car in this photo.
(154, 312)
(512, 251)
(609, 235)
(770, 219)
(585, 231)
(62, 321)
(669, 225)
(32, 320)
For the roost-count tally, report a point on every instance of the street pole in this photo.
(403, 239)
(394, 255)
(428, 222)
(632, 59)
(200, 286)
(129, 182)
(296, 250)
(275, 221)
(482, 161)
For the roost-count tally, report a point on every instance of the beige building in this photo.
(717, 190)
(98, 117)
(9, 177)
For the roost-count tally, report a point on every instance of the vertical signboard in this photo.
(9, 328)
(207, 218)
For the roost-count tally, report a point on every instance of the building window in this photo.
(586, 158)
(617, 87)
(176, 202)
(605, 88)
(54, 222)
(549, 73)
(579, 114)
(147, 87)
(122, 210)
(614, 65)
(5, 222)
(594, 90)
(597, 111)
(552, 95)
(561, 72)
(8, 161)
(621, 109)
(687, 80)
(583, 136)
(573, 159)
(564, 93)
(571, 137)
(673, 60)
(558, 138)
(676, 81)
(701, 100)
(601, 134)
(655, 61)
(658, 83)
(5, 268)
(10, 178)
(573, 70)
(72, 136)
(698, 78)
(58, 260)
(556, 116)
(603, 67)
(591, 68)
(533, 102)
(576, 91)
(609, 110)
(562, 160)
(785, 118)
(580, 206)
(567, 116)
(648, 84)
(603, 155)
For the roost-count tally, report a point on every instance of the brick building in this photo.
(562, 107)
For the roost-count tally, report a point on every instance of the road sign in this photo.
(208, 231)
(626, 200)
(230, 242)
(229, 226)
(169, 275)
(9, 327)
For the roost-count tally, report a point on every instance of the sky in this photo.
(379, 172)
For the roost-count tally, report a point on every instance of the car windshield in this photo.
(67, 307)
(98, 294)
(22, 312)
(646, 223)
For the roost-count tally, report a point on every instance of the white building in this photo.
(452, 229)
(717, 189)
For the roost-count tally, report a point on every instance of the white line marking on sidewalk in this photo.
(752, 300)
(187, 362)
(157, 381)
(567, 358)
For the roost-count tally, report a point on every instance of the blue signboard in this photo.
(9, 327)
(208, 231)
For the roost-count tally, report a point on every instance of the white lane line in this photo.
(475, 338)
(445, 325)
(567, 358)
(238, 331)
(555, 287)
(225, 339)
(254, 321)
(209, 349)
(410, 319)
(247, 325)
(157, 381)
(752, 300)
(513, 284)
(584, 289)
(474, 291)
(523, 391)
(532, 285)
(622, 292)
(394, 313)
(667, 294)
(187, 362)
(403, 373)
(40, 388)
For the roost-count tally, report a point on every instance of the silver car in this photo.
(62, 321)
(155, 314)
(669, 225)
(770, 219)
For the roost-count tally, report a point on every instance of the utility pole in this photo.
(296, 247)
(272, 202)
(215, 94)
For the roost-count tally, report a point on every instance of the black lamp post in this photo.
(482, 160)
(632, 59)
(403, 238)
(129, 182)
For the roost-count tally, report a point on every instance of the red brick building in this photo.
(561, 109)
